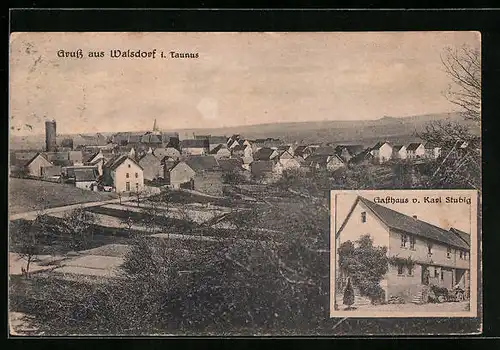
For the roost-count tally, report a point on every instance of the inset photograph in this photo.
(404, 253)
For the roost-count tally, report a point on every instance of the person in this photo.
(348, 295)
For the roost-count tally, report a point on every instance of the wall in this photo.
(120, 178)
(181, 173)
(194, 151)
(35, 167)
(334, 163)
(152, 167)
(405, 285)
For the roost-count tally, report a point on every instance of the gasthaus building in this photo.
(441, 257)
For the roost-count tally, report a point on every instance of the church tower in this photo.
(155, 128)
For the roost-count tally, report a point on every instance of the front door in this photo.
(425, 275)
(127, 186)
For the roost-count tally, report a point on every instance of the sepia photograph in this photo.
(404, 253)
(180, 183)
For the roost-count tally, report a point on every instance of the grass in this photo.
(30, 195)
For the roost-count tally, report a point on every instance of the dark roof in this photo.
(260, 167)
(263, 154)
(352, 149)
(401, 222)
(52, 156)
(299, 150)
(283, 147)
(238, 147)
(200, 163)
(117, 160)
(325, 150)
(363, 156)
(463, 235)
(190, 143)
(217, 139)
(86, 174)
(379, 144)
(317, 159)
(54, 170)
(87, 157)
(397, 148)
(151, 138)
(147, 158)
(413, 146)
(231, 164)
(218, 148)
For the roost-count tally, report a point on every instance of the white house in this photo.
(124, 174)
(432, 151)
(415, 150)
(382, 152)
(439, 256)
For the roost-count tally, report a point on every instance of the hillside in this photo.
(28, 195)
(394, 129)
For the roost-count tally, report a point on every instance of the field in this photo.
(30, 195)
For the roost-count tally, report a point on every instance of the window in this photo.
(137, 186)
(448, 253)
(461, 254)
(436, 272)
(127, 175)
(127, 186)
(129, 165)
(410, 270)
(136, 175)
(400, 269)
(429, 249)
(442, 275)
(404, 240)
(363, 217)
(412, 242)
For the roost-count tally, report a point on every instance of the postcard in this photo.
(180, 183)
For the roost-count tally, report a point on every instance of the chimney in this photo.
(415, 217)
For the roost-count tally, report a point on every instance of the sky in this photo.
(457, 215)
(238, 79)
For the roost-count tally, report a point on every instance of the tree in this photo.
(26, 241)
(365, 265)
(80, 225)
(460, 164)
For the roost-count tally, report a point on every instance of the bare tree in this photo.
(80, 224)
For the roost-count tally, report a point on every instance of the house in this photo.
(170, 152)
(214, 141)
(381, 152)
(266, 143)
(265, 153)
(34, 166)
(231, 165)
(232, 139)
(221, 151)
(324, 162)
(399, 152)
(415, 150)
(346, 152)
(152, 167)
(194, 147)
(324, 151)
(178, 174)
(124, 174)
(310, 149)
(52, 172)
(86, 178)
(439, 257)
(287, 160)
(96, 159)
(299, 151)
(432, 151)
(363, 158)
(264, 171)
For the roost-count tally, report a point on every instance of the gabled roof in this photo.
(162, 152)
(325, 150)
(463, 235)
(352, 149)
(190, 143)
(401, 222)
(231, 164)
(118, 160)
(362, 156)
(200, 163)
(217, 139)
(299, 150)
(379, 144)
(218, 148)
(85, 175)
(88, 157)
(263, 154)
(54, 170)
(397, 148)
(261, 167)
(148, 157)
(413, 146)
(238, 148)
